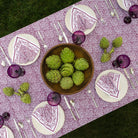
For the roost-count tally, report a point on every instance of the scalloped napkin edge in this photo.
(93, 19)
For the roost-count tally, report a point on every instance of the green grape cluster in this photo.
(104, 44)
(22, 92)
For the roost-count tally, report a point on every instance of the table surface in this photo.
(39, 91)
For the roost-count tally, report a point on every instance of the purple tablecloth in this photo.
(39, 91)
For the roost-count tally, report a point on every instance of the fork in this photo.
(90, 92)
(45, 46)
(101, 18)
(66, 39)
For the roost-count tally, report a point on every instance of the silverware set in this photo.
(128, 77)
(112, 10)
(69, 107)
(60, 37)
(20, 124)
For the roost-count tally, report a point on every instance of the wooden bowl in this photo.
(79, 53)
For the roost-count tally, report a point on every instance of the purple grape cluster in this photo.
(78, 37)
(54, 99)
(122, 61)
(133, 13)
(14, 71)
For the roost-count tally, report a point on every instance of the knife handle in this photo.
(73, 114)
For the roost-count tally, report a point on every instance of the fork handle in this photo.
(33, 131)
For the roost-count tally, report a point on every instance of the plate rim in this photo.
(120, 3)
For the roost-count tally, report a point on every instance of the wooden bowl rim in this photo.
(66, 44)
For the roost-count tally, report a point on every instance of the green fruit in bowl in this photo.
(67, 55)
(66, 83)
(81, 64)
(53, 62)
(53, 76)
(66, 70)
(78, 77)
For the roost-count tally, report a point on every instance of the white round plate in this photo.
(122, 5)
(9, 132)
(27, 37)
(43, 130)
(123, 87)
(84, 8)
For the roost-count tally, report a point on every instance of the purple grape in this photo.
(115, 64)
(14, 71)
(23, 72)
(6, 116)
(1, 121)
(127, 19)
(54, 98)
(133, 11)
(78, 37)
(123, 61)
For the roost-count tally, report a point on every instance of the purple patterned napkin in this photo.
(109, 84)
(24, 51)
(81, 20)
(47, 116)
(3, 133)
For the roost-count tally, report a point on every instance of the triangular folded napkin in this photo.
(109, 84)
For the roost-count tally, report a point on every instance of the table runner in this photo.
(39, 91)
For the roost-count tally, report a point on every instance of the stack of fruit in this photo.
(64, 69)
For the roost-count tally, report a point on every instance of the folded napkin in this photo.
(47, 116)
(3, 132)
(109, 84)
(127, 4)
(24, 51)
(81, 20)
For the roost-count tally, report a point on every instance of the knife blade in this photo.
(66, 39)
(129, 79)
(17, 128)
(67, 103)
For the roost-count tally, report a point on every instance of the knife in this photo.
(129, 79)
(17, 128)
(66, 39)
(114, 9)
(67, 103)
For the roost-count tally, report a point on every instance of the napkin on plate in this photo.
(24, 51)
(47, 116)
(81, 20)
(127, 4)
(3, 133)
(109, 84)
